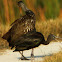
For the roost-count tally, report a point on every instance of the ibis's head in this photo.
(50, 38)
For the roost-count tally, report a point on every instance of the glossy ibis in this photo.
(31, 40)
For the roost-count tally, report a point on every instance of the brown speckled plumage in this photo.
(21, 26)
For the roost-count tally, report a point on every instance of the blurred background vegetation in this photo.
(48, 15)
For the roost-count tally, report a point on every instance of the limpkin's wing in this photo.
(16, 21)
(24, 25)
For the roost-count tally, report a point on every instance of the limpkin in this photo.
(21, 26)
(31, 40)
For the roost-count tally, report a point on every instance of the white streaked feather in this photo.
(31, 20)
(27, 30)
(24, 30)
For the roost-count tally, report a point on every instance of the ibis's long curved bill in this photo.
(58, 38)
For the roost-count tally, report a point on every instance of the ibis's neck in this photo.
(46, 42)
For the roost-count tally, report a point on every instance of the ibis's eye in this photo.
(53, 37)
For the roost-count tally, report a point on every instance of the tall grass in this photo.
(43, 10)
(55, 58)
(50, 26)
(5, 2)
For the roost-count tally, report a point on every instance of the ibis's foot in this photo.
(24, 58)
(32, 56)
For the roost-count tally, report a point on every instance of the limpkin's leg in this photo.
(23, 58)
(32, 55)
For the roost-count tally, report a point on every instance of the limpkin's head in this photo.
(27, 11)
(30, 13)
(22, 5)
(20, 2)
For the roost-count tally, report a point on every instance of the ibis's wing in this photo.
(22, 26)
(28, 40)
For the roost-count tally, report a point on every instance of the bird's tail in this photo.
(7, 36)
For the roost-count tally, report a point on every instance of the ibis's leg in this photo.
(32, 55)
(23, 58)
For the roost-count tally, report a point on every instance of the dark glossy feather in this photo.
(30, 40)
